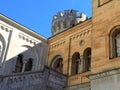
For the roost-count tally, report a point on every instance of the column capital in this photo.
(25, 61)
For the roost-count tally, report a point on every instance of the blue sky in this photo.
(37, 14)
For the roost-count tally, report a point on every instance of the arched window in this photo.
(75, 63)
(2, 48)
(57, 64)
(115, 42)
(19, 64)
(87, 59)
(28, 65)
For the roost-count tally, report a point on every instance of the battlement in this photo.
(65, 20)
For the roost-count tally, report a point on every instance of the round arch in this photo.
(114, 42)
(32, 50)
(57, 63)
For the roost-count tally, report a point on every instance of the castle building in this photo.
(89, 51)
(82, 53)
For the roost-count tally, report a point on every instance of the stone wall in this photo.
(38, 80)
(66, 44)
(108, 80)
(105, 18)
(15, 39)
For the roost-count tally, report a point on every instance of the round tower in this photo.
(63, 21)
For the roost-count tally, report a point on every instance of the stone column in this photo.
(24, 62)
(34, 64)
(40, 63)
(81, 64)
(69, 66)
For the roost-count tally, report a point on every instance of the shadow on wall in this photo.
(24, 72)
(32, 59)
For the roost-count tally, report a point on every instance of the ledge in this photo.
(104, 74)
(78, 86)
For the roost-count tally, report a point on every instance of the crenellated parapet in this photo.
(63, 21)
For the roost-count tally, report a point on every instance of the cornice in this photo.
(22, 28)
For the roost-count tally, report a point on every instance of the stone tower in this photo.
(63, 21)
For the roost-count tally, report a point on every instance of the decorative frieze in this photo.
(57, 45)
(5, 28)
(27, 39)
(81, 34)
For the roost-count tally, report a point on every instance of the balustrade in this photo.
(33, 80)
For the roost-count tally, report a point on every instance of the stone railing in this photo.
(38, 80)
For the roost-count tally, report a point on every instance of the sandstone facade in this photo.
(99, 34)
